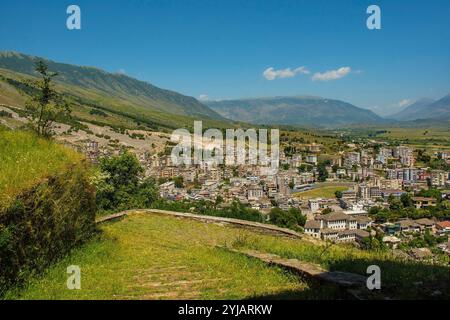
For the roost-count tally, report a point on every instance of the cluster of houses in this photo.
(373, 175)
(409, 226)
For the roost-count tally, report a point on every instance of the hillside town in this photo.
(373, 176)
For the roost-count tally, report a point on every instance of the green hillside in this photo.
(115, 98)
(26, 160)
(47, 205)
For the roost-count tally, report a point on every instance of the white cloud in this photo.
(203, 97)
(403, 103)
(272, 74)
(331, 74)
(121, 71)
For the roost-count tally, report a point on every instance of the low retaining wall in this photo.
(205, 218)
(305, 269)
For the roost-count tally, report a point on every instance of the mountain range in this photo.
(112, 92)
(119, 100)
(304, 111)
(425, 108)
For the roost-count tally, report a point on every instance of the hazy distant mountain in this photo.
(439, 109)
(299, 110)
(114, 90)
(413, 111)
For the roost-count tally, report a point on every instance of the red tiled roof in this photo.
(444, 224)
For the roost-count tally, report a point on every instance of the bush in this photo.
(235, 210)
(120, 186)
(292, 218)
(44, 223)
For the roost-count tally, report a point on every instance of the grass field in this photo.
(157, 257)
(26, 159)
(417, 133)
(400, 279)
(425, 138)
(321, 192)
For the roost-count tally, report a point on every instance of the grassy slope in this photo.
(399, 278)
(26, 159)
(138, 93)
(121, 112)
(158, 257)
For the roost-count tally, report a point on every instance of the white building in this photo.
(337, 227)
(314, 204)
(311, 159)
(254, 192)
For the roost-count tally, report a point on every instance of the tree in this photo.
(335, 168)
(277, 216)
(46, 106)
(303, 168)
(338, 194)
(382, 216)
(395, 204)
(118, 185)
(434, 193)
(406, 200)
(179, 182)
(290, 219)
(429, 238)
(125, 170)
(147, 193)
(291, 184)
(219, 200)
(297, 214)
(422, 156)
(374, 210)
(323, 173)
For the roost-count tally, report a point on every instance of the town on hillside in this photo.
(381, 195)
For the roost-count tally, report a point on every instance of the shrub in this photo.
(292, 218)
(47, 216)
(120, 186)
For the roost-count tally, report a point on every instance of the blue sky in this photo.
(220, 48)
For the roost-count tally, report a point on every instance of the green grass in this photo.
(417, 133)
(399, 278)
(321, 192)
(425, 138)
(157, 257)
(26, 159)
